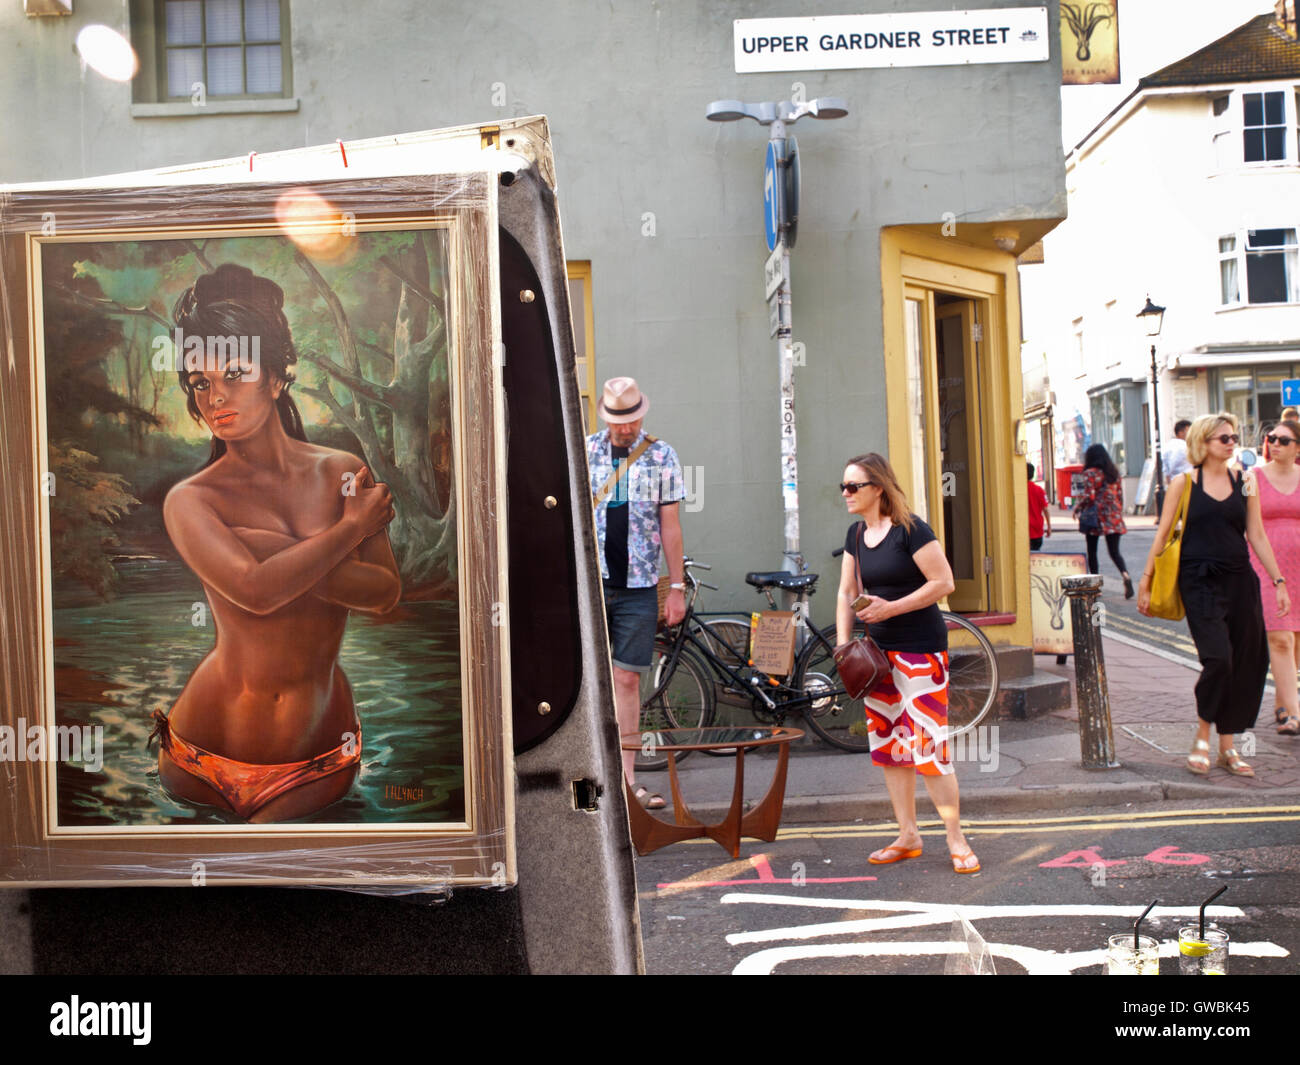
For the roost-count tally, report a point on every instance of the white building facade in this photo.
(1189, 191)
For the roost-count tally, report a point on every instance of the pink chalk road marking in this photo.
(1087, 857)
(764, 870)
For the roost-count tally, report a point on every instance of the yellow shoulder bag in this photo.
(1165, 600)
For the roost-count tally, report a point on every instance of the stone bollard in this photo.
(1096, 737)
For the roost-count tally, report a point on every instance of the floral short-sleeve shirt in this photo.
(655, 478)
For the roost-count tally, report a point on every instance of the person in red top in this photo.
(1040, 518)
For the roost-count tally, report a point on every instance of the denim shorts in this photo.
(632, 615)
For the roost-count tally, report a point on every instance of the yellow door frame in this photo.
(915, 262)
(585, 363)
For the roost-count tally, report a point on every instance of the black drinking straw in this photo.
(1154, 904)
(1206, 903)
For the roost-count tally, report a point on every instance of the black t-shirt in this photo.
(889, 571)
(616, 524)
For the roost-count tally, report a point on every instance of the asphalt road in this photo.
(1051, 890)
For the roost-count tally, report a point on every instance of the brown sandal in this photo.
(1232, 762)
(649, 799)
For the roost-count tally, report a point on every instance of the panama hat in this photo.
(622, 401)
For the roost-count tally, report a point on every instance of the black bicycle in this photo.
(702, 662)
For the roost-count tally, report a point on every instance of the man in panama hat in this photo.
(636, 485)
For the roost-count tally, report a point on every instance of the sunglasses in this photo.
(852, 486)
(1226, 438)
(1279, 441)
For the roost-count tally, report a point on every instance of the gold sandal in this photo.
(1232, 762)
(1198, 761)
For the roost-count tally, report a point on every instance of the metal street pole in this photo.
(1155, 407)
(781, 174)
(785, 363)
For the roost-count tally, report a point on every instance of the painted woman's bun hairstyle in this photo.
(232, 301)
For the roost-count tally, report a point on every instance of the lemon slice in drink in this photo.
(1194, 948)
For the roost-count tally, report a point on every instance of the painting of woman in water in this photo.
(287, 537)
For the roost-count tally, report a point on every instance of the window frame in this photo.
(149, 88)
(1264, 126)
(1241, 249)
(1230, 126)
(584, 330)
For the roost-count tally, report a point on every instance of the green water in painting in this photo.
(116, 662)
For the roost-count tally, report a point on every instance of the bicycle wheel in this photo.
(838, 719)
(680, 699)
(972, 677)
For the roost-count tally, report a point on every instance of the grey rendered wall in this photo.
(625, 86)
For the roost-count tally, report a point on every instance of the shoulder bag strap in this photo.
(619, 471)
(1180, 518)
(857, 566)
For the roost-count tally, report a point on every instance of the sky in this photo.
(1152, 34)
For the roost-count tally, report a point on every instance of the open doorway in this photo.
(946, 418)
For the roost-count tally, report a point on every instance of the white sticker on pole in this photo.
(773, 275)
(894, 39)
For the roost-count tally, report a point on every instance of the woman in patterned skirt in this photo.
(1278, 482)
(1103, 491)
(892, 558)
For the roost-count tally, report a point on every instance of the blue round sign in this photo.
(773, 190)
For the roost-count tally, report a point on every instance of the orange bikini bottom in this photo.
(248, 786)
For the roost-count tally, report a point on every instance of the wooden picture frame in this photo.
(390, 298)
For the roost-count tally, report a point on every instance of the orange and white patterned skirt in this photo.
(908, 715)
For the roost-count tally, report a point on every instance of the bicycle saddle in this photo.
(791, 582)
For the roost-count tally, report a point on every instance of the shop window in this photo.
(1267, 258)
(1108, 425)
(194, 51)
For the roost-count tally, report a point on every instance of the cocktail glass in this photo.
(1202, 955)
(1123, 958)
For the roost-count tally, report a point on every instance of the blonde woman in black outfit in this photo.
(1219, 588)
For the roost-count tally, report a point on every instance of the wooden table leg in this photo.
(681, 813)
(764, 820)
(649, 833)
(727, 832)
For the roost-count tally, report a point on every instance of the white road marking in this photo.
(920, 914)
(1035, 962)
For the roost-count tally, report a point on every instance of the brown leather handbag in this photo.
(861, 664)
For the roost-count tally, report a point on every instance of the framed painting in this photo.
(253, 624)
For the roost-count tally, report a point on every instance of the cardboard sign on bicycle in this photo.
(771, 641)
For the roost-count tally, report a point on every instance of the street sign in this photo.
(892, 39)
(773, 193)
(1291, 393)
(790, 222)
(773, 274)
(774, 313)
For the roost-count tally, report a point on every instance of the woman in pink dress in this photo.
(1278, 484)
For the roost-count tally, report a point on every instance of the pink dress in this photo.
(1281, 514)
